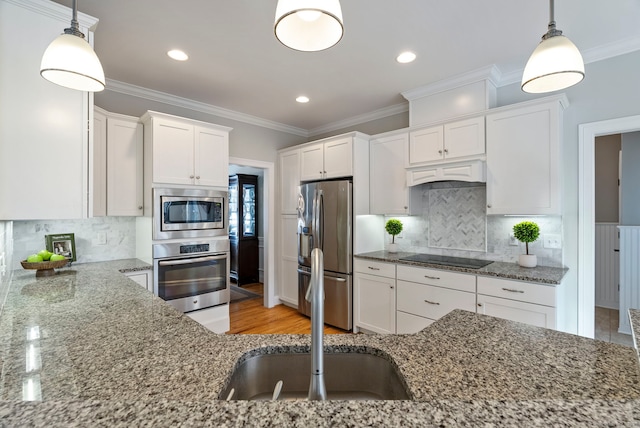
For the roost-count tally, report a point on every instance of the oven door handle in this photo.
(189, 261)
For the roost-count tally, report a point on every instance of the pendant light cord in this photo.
(75, 27)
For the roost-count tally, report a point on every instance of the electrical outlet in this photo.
(552, 241)
(512, 240)
(102, 238)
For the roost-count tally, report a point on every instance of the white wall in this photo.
(610, 90)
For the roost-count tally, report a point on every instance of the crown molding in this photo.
(598, 53)
(165, 98)
(56, 11)
(490, 73)
(362, 118)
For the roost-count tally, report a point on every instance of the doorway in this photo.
(587, 134)
(266, 171)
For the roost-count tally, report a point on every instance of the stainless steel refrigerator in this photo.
(325, 211)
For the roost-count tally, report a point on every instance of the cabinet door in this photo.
(338, 158)
(374, 303)
(432, 302)
(98, 195)
(523, 158)
(289, 181)
(426, 145)
(389, 193)
(528, 313)
(173, 152)
(289, 259)
(211, 157)
(124, 167)
(409, 323)
(43, 126)
(312, 162)
(464, 138)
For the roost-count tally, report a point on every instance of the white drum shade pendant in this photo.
(70, 61)
(309, 25)
(555, 64)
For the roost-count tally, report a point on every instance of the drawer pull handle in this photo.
(372, 268)
(432, 303)
(511, 290)
(432, 277)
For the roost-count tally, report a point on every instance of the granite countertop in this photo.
(109, 353)
(539, 274)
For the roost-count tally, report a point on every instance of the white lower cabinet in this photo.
(525, 302)
(374, 297)
(430, 294)
(144, 278)
(288, 285)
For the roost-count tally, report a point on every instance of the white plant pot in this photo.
(392, 248)
(527, 260)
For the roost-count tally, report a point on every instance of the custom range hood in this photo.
(469, 171)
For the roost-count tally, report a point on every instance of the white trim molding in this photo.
(587, 134)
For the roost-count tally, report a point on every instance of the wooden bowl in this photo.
(44, 268)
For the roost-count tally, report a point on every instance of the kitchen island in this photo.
(108, 353)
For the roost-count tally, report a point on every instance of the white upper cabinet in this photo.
(329, 159)
(450, 141)
(524, 158)
(44, 128)
(117, 165)
(389, 193)
(289, 181)
(186, 152)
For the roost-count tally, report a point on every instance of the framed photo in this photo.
(62, 243)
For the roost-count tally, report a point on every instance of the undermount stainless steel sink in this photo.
(348, 376)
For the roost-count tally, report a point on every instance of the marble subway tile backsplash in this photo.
(28, 237)
(453, 222)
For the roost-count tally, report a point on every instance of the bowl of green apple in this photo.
(44, 262)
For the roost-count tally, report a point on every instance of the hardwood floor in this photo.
(251, 317)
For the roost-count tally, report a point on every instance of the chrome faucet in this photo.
(315, 295)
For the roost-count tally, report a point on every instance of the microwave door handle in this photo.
(188, 261)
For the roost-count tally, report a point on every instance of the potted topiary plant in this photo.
(393, 227)
(526, 231)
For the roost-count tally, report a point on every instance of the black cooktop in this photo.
(447, 261)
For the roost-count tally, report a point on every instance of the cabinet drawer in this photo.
(518, 290)
(409, 323)
(371, 267)
(432, 302)
(440, 278)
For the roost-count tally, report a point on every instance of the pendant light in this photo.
(555, 64)
(70, 61)
(308, 25)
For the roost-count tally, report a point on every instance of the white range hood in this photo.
(469, 170)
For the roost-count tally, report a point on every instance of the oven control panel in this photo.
(194, 248)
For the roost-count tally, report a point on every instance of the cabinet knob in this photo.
(479, 305)
(446, 151)
(197, 177)
(191, 176)
(489, 206)
(324, 172)
(391, 287)
(406, 208)
(139, 207)
(440, 151)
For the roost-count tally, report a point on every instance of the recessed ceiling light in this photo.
(302, 99)
(406, 57)
(178, 55)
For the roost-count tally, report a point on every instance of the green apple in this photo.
(56, 257)
(34, 258)
(45, 255)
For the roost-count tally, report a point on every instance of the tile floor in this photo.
(607, 321)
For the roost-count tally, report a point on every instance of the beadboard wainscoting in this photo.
(629, 274)
(607, 266)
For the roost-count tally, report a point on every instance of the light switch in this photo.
(102, 238)
(512, 240)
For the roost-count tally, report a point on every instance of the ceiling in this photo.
(236, 63)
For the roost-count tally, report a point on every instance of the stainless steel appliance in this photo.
(189, 213)
(325, 222)
(192, 275)
(447, 261)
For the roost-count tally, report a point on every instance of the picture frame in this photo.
(62, 243)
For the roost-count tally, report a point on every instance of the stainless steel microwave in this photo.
(189, 213)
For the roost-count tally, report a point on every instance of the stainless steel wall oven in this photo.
(192, 275)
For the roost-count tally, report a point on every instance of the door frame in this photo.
(268, 212)
(587, 134)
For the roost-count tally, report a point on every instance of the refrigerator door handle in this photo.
(320, 220)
